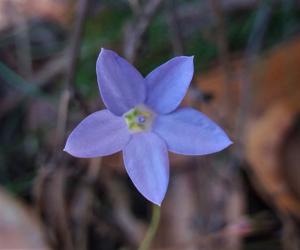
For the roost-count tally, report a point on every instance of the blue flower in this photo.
(141, 120)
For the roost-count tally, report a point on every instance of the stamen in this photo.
(139, 119)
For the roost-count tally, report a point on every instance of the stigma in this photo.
(139, 119)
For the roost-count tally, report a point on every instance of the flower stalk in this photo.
(152, 229)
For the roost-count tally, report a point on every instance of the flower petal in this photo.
(101, 133)
(167, 84)
(121, 86)
(190, 132)
(147, 164)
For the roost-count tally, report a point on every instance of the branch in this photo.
(135, 29)
(74, 52)
(175, 28)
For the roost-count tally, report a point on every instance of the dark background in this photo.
(247, 59)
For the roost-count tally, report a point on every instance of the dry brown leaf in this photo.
(273, 110)
(60, 11)
(19, 228)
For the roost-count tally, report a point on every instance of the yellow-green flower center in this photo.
(138, 119)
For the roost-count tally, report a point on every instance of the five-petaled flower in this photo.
(141, 119)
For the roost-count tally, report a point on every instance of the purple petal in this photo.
(167, 84)
(147, 164)
(190, 132)
(121, 86)
(101, 133)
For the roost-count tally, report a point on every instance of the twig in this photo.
(290, 234)
(241, 227)
(43, 77)
(51, 205)
(82, 204)
(196, 15)
(135, 6)
(254, 45)
(18, 83)
(51, 69)
(133, 228)
(82, 10)
(135, 29)
(14, 80)
(174, 26)
(195, 241)
(222, 45)
(39, 80)
(21, 38)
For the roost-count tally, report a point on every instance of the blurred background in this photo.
(247, 78)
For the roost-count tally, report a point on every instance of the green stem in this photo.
(146, 243)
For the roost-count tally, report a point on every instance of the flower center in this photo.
(139, 119)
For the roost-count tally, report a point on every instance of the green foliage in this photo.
(203, 50)
(16, 162)
(239, 27)
(156, 46)
(101, 30)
